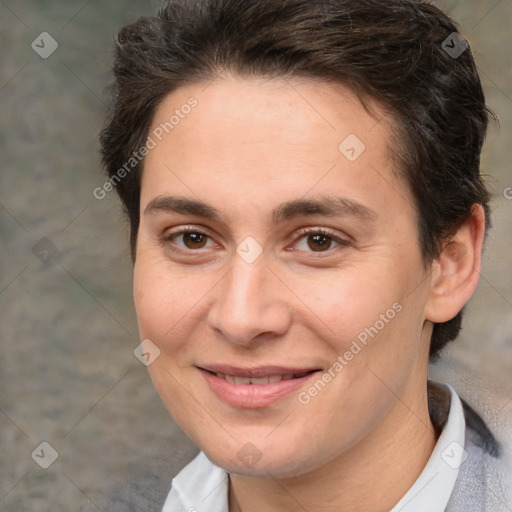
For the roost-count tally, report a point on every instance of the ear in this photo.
(456, 271)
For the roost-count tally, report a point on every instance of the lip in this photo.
(254, 396)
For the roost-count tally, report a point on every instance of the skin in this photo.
(249, 146)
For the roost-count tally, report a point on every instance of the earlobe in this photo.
(456, 271)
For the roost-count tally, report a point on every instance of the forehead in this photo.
(255, 137)
(296, 110)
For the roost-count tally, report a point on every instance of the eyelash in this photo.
(166, 238)
(304, 232)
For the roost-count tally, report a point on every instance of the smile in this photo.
(254, 388)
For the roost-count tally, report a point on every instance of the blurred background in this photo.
(68, 375)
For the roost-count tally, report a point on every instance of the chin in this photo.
(249, 461)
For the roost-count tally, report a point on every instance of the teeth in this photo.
(242, 380)
(259, 380)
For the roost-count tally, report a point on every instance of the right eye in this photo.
(188, 239)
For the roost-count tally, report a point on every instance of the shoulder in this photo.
(144, 485)
(485, 477)
(484, 482)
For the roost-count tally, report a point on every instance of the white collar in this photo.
(202, 486)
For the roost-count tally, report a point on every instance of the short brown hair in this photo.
(392, 52)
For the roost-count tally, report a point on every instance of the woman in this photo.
(307, 221)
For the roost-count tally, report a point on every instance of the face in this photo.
(279, 274)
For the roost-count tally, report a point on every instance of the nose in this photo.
(249, 304)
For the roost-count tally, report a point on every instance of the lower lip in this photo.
(253, 396)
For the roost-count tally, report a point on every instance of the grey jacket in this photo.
(484, 483)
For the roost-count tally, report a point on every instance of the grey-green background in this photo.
(68, 375)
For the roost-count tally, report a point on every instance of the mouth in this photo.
(259, 381)
(255, 387)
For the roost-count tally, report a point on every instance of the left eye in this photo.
(318, 241)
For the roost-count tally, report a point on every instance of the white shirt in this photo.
(203, 487)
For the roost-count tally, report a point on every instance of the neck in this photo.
(372, 476)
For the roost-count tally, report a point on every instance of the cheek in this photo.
(349, 303)
(152, 301)
(167, 309)
(371, 315)
(166, 303)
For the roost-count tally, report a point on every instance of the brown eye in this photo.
(319, 242)
(188, 239)
(194, 240)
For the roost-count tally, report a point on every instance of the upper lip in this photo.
(260, 371)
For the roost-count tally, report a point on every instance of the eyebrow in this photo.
(329, 206)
